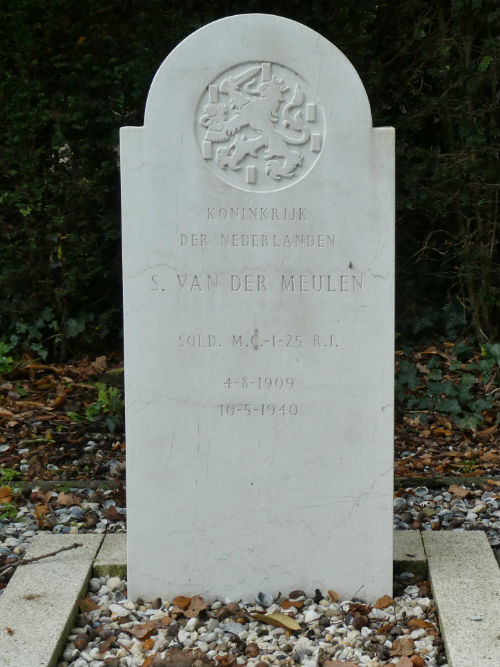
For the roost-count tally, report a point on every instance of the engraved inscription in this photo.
(267, 382)
(257, 341)
(259, 127)
(262, 409)
(195, 283)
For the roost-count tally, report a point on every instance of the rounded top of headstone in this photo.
(261, 95)
(222, 44)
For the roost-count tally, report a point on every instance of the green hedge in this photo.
(75, 72)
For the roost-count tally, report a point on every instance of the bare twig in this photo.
(26, 561)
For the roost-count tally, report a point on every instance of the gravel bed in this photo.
(79, 510)
(116, 632)
(456, 508)
(113, 632)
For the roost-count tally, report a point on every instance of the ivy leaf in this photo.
(450, 405)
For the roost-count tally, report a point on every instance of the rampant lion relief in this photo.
(257, 129)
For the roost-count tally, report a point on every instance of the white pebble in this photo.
(114, 583)
(191, 624)
(311, 615)
(418, 634)
(128, 604)
(86, 656)
(118, 610)
(11, 542)
(137, 652)
(124, 641)
(183, 636)
(423, 645)
(70, 653)
(79, 663)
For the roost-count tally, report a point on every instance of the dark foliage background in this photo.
(75, 72)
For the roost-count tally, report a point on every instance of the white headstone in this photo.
(258, 222)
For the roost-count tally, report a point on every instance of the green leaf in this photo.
(492, 351)
(484, 63)
(449, 405)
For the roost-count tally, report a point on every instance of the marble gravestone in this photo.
(258, 223)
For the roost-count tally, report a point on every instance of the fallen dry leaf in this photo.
(383, 602)
(196, 606)
(487, 432)
(59, 400)
(41, 515)
(148, 644)
(181, 601)
(112, 514)
(384, 629)
(489, 457)
(144, 630)
(5, 495)
(87, 604)
(458, 491)
(405, 662)
(333, 596)
(279, 620)
(359, 608)
(338, 663)
(41, 496)
(419, 623)
(177, 657)
(226, 660)
(403, 647)
(106, 645)
(441, 431)
(67, 499)
(298, 604)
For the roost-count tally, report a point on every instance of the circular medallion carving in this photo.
(259, 127)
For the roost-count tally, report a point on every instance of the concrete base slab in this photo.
(465, 580)
(112, 557)
(408, 552)
(38, 607)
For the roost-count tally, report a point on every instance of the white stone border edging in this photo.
(39, 605)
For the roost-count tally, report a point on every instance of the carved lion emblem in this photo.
(258, 130)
